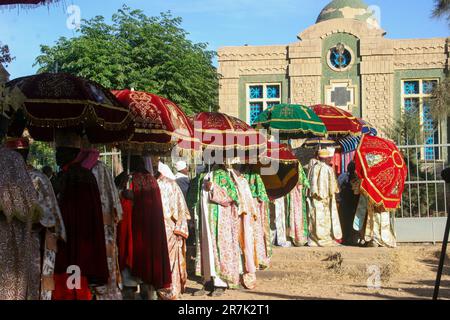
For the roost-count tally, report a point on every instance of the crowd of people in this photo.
(82, 234)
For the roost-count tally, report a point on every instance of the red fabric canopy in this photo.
(223, 132)
(159, 123)
(383, 171)
(338, 121)
(62, 100)
(26, 3)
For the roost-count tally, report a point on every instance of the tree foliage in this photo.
(5, 54)
(137, 51)
(442, 9)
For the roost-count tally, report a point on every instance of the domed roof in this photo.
(348, 9)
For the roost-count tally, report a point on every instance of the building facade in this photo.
(343, 60)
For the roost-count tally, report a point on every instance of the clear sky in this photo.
(217, 22)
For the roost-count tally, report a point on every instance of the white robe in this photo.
(325, 228)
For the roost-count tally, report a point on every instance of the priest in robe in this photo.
(81, 208)
(143, 249)
(278, 216)
(373, 224)
(19, 243)
(51, 220)
(261, 228)
(248, 214)
(89, 158)
(218, 260)
(324, 225)
(296, 211)
(176, 217)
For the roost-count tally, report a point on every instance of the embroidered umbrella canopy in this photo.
(160, 124)
(26, 3)
(291, 122)
(278, 168)
(62, 100)
(382, 169)
(337, 121)
(220, 132)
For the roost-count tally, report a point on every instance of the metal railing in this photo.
(425, 194)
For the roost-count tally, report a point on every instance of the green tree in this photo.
(41, 154)
(137, 51)
(442, 9)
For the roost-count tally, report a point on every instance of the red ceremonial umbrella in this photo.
(61, 100)
(338, 121)
(159, 123)
(220, 132)
(26, 3)
(278, 168)
(383, 171)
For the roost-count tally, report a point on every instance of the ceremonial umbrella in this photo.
(337, 121)
(64, 101)
(26, 3)
(291, 121)
(159, 123)
(279, 170)
(220, 132)
(382, 169)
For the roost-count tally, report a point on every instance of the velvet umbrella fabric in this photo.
(142, 235)
(26, 3)
(81, 210)
(383, 171)
(61, 100)
(292, 122)
(220, 132)
(337, 121)
(159, 123)
(279, 170)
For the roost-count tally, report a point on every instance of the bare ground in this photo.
(344, 273)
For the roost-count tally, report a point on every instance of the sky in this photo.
(216, 22)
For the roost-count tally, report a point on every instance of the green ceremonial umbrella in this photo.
(291, 121)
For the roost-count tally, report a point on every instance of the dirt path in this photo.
(407, 272)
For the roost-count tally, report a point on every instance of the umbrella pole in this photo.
(128, 161)
(442, 259)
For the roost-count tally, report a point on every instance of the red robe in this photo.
(142, 234)
(81, 210)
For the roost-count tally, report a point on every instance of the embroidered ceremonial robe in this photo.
(324, 225)
(19, 244)
(219, 255)
(374, 225)
(81, 209)
(248, 214)
(143, 249)
(55, 230)
(279, 218)
(176, 216)
(262, 222)
(112, 215)
(297, 221)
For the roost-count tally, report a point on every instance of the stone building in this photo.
(344, 60)
(4, 75)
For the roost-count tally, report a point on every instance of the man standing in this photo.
(143, 249)
(248, 214)
(19, 209)
(262, 223)
(81, 209)
(217, 261)
(182, 177)
(297, 220)
(51, 218)
(325, 228)
(176, 216)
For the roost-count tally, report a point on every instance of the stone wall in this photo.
(303, 63)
